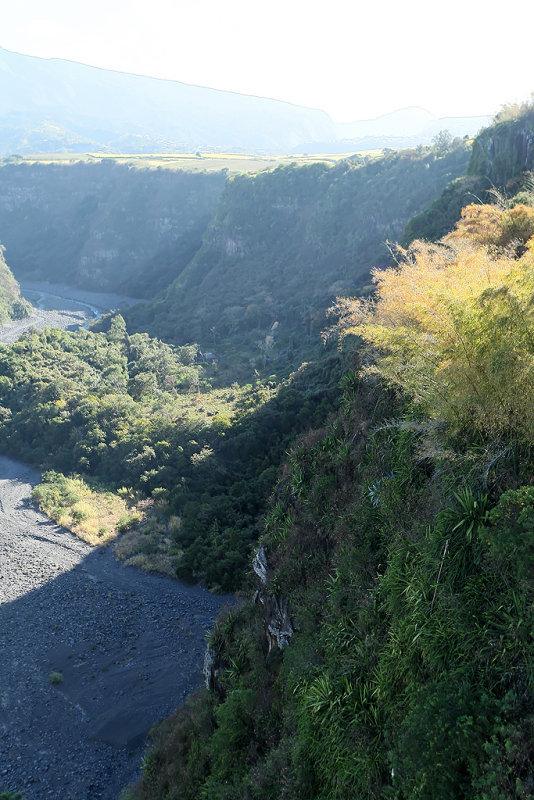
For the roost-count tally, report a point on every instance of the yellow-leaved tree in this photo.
(452, 324)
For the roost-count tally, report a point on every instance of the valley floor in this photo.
(126, 648)
(58, 306)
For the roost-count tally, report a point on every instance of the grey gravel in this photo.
(128, 645)
(58, 306)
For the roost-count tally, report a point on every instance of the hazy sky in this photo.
(354, 60)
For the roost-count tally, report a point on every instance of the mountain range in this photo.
(54, 105)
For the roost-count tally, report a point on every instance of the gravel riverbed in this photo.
(57, 306)
(128, 646)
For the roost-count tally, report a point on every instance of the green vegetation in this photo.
(503, 152)
(172, 426)
(283, 244)
(95, 515)
(400, 537)
(501, 161)
(137, 414)
(396, 539)
(12, 305)
(189, 162)
(104, 226)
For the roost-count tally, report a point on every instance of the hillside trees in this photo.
(283, 243)
(136, 414)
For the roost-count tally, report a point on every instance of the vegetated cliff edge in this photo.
(283, 244)
(386, 648)
(501, 156)
(104, 226)
(504, 151)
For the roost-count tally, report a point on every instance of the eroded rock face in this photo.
(209, 669)
(278, 625)
(276, 619)
(502, 152)
(279, 628)
(259, 565)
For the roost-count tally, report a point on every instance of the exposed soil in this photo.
(128, 646)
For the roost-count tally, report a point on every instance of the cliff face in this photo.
(504, 151)
(283, 244)
(104, 226)
(500, 157)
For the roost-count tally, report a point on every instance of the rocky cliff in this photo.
(102, 225)
(504, 151)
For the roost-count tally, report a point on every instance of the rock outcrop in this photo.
(277, 620)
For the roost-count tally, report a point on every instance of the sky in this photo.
(352, 60)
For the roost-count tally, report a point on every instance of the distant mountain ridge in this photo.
(53, 105)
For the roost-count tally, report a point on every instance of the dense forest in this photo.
(368, 491)
(133, 413)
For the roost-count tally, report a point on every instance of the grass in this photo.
(149, 546)
(142, 537)
(55, 678)
(96, 516)
(191, 162)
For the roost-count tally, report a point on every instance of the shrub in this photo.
(452, 326)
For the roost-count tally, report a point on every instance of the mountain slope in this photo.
(104, 226)
(56, 105)
(52, 105)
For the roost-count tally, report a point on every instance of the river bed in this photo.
(60, 306)
(127, 648)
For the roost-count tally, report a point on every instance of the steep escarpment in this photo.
(104, 226)
(504, 151)
(283, 244)
(502, 159)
